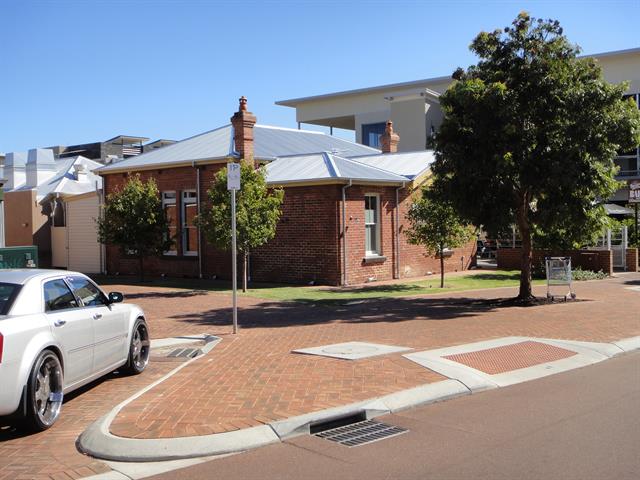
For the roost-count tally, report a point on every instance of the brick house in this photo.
(343, 214)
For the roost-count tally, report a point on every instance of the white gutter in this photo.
(398, 231)
(344, 234)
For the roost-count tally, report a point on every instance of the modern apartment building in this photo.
(121, 146)
(414, 109)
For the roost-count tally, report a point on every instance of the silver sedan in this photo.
(58, 332)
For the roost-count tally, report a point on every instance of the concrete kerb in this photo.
(99, 442)
(628, 344)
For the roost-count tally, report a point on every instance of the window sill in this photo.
(370, 259)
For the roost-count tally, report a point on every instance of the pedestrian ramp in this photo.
(506, 361)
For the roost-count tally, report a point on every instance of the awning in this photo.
(613, 209)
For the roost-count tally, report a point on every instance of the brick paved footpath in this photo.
(252, 378)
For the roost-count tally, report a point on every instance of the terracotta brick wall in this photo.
(413, 260)
(308, 243)
(632, 260)
(305, 247)
(176, 179)
(595, 260)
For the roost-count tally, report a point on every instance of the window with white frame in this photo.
(372, 224)
(171, 211)
(189, 230)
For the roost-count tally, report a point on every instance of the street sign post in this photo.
(233, 184)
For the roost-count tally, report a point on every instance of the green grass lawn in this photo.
(471, 281)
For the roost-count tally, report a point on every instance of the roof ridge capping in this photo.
(409, 152)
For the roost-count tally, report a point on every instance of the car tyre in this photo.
(139, 349)
(44, 391)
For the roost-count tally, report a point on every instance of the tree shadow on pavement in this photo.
(289, 314)
(183, 294)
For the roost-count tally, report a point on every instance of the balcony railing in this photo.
(629, 166)
(131, 150)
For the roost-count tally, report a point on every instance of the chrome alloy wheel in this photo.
(47, 389)
(140, 347)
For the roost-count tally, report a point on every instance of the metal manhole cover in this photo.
(361, 433)
(350, 349)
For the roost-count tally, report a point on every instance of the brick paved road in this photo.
(52, 454)
(252, 378)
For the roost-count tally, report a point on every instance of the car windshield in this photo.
(8, 292)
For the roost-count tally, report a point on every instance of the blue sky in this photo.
(87, 70)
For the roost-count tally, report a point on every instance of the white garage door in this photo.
(84, 249)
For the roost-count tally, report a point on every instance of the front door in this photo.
(109, 324)
(71, 328)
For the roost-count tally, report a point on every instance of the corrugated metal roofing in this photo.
(269, 142)
(325, 166)
(279, 142)
(64, 181)
(407, 164)
(212, 144)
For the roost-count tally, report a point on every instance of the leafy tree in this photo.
(257, 213)
(133, 219)
(529, 136)
(436, 225)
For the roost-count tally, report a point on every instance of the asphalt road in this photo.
(583, 424)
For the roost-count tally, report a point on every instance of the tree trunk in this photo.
(526, 257)
(441, 267)
(244, 271)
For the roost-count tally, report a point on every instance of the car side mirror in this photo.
(115, 297)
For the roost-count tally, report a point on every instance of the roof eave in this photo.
(337, 181)
(293, 102)
(107, 170)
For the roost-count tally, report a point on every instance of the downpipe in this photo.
(344, 233)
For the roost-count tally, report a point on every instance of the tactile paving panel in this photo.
(511, 357)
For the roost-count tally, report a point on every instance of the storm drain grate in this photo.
(185, 352)
(361, 433)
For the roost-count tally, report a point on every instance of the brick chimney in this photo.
(389, 140)
(243, 122)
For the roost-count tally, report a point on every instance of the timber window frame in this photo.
(189, 200)
(372, 244)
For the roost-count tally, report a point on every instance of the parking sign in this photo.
(233, 176)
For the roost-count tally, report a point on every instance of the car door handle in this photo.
(59, 323)
(97, 316)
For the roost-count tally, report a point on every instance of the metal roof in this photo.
(127, 139)
(64, 181)
(407, 164)
(325, 166)
(269, 143)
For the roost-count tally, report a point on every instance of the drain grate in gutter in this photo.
(361, 433)
(185, 352)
